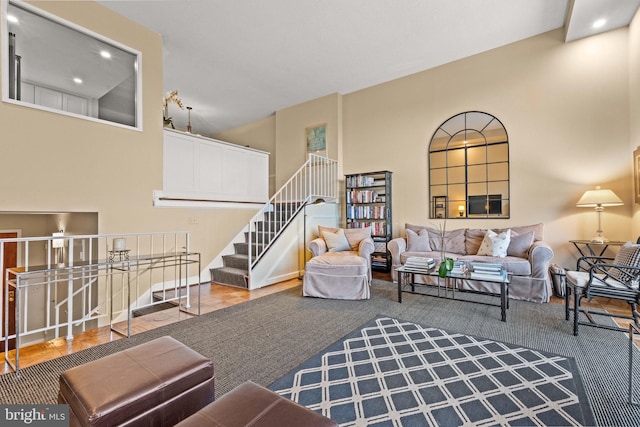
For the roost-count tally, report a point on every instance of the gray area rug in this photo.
(391, 372)
(263, 339)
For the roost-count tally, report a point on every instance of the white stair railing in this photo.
(317, 178)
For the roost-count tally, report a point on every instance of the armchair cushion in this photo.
(354, 235)
(336, 241)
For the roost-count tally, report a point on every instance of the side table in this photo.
(590, 248)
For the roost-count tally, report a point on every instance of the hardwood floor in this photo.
(213, 297)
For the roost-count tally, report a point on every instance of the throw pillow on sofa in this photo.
(336, 242)
(495, 244)
(417, 242)
(520, 244)
(454, 240)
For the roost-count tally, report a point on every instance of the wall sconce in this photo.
(461, 210)
(58, 245)
(598, 199)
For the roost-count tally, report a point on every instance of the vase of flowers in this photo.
(170, 97)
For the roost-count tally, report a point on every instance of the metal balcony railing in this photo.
(63, 285)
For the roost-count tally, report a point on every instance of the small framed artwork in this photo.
(316, 137)
(636, 174)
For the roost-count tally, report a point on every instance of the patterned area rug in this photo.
(395, 373)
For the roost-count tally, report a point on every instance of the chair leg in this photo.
(576, 312)
(634, 313)
(567, 293)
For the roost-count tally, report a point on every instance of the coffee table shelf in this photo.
(407, 284)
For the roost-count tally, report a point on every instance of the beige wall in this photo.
(55, 163)
(291, 148)
(634, 91)
(565, 107)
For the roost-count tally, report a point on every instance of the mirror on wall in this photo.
(469, 168)
(58, 66)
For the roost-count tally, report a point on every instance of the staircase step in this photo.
(243, 248)
(230, 276)
(236, 261)
(271, 226)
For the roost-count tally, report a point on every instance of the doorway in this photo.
(9, 260)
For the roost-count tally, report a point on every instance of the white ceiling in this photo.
(239, 61)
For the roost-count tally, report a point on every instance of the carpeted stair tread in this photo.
(240, 261)
(229, 276)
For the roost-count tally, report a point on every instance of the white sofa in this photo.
(528, 257)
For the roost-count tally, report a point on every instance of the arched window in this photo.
(469, 168)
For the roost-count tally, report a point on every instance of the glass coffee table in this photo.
(448, 286)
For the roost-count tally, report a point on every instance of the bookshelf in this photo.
(368, 204)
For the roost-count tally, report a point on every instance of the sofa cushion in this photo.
(495, 244)
(337, 241)
(520, 244)
(474, 237)
(536, 228)
(354, 235)
(417, 242)
(453, 240)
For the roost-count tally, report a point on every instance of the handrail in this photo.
(316, 178)
(77, 278)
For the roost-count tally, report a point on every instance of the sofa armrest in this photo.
(366, 248)
(396, 247)
(317, 247)
(540, 255)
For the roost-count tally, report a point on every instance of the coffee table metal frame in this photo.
(406, 279)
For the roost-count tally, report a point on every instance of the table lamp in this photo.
(598, 199)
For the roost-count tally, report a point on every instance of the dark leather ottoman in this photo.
(252, 405)
(157, 383)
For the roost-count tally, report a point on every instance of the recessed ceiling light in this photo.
(599, 23)
(77, 80)
(12, 19)
(105, 54)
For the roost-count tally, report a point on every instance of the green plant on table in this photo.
(446, 263)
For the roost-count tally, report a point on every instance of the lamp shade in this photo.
(599, 197)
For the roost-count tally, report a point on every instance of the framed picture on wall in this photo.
(636, 174)
(316, 138)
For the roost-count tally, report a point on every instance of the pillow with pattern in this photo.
(629, 255)
(495, 244)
